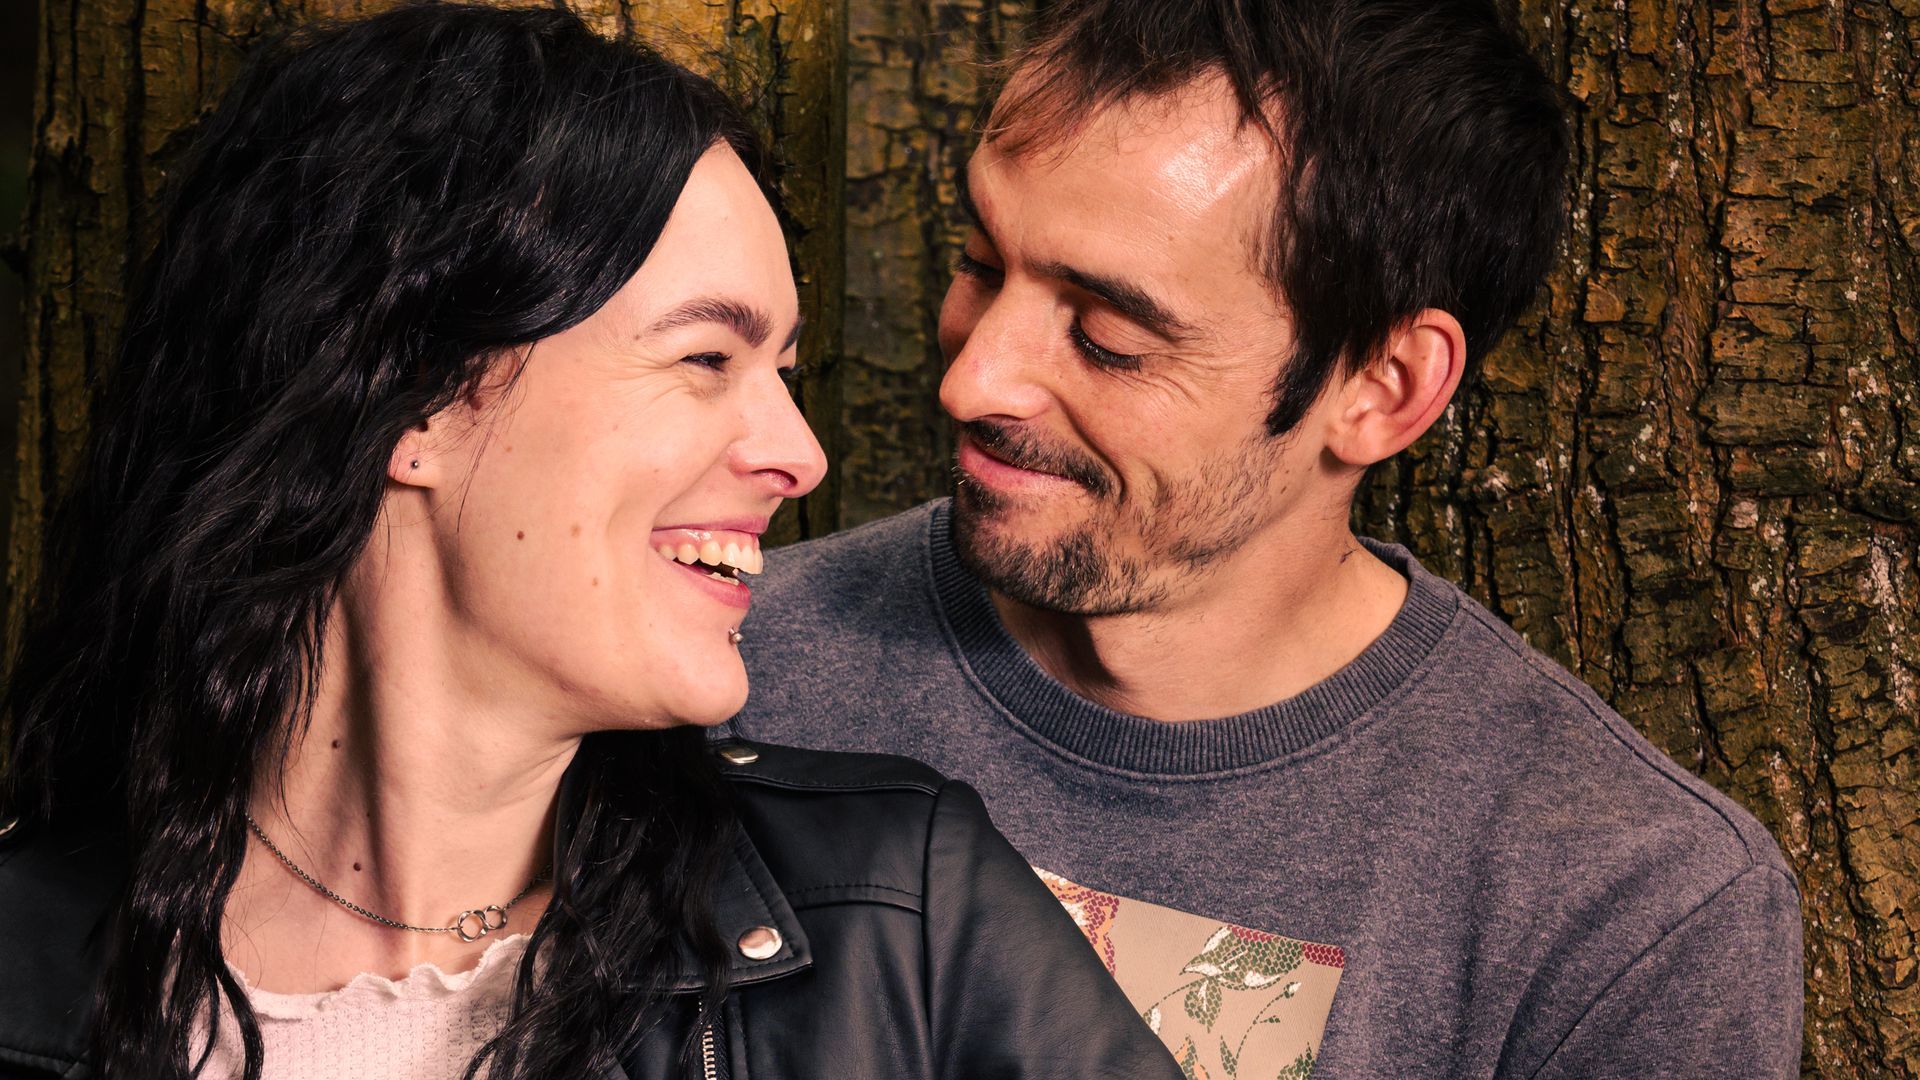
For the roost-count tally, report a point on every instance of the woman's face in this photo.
(566, 509)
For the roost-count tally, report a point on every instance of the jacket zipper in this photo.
(709, 1060)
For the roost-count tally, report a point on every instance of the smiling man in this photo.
(1319, 811)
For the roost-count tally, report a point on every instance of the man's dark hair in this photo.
(1423, 150)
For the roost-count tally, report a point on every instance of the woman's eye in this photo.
(966, 265)
(713, 360)
(1094, 352)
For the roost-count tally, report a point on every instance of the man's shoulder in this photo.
(891, 542)
(1573, 771)
(862, 582)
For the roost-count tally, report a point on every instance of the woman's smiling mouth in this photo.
(717, 558)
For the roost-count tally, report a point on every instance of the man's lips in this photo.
(983, 466)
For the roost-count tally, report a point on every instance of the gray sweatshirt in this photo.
(1505, 878)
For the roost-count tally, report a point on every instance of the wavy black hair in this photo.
(377, 214)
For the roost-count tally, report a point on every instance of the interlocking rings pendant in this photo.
(474, 925)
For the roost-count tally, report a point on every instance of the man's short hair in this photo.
(1423, 152)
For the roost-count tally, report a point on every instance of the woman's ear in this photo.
(411, 463)
(1384, 408)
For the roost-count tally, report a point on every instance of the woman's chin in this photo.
(717, 703)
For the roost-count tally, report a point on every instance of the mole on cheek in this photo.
(520, 536)
(336, 744)
(576, 528)
(596, 583)
(356, 866)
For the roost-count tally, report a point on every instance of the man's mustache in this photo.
(1023, 451)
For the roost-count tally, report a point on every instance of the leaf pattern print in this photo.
(1251, 1005)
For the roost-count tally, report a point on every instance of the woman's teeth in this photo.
(727, 559)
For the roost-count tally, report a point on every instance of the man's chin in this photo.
(1028, 523)
(1023, 552)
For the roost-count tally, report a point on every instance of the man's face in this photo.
(1112, 351)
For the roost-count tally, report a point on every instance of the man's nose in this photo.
(1001, 368)
(779, 450)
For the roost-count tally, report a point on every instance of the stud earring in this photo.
(734, 636)
(413, 464)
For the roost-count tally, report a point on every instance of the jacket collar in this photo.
(745, 897)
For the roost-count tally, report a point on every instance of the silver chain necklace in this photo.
(469, 925)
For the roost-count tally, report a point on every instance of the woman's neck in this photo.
(406, 794)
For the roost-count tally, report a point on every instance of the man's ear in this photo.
(1384, 408)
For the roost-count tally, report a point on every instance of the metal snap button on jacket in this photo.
(760, 943)
(739, 754)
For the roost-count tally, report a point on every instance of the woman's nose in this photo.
(779, 448)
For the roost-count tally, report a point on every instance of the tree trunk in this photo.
(1690, 475)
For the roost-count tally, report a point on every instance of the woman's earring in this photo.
(733, 636)
(413, 464)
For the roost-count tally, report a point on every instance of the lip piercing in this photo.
(733, 636)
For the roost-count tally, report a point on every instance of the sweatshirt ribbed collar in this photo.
(1136, 744)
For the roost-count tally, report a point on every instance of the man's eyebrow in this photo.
(752, 324)
(1128, 299)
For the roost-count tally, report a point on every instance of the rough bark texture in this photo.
(1692, 474)
(919, 78)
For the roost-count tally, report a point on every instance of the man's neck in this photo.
(1261, 627)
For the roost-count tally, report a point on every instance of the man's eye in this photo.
(966, 265)
(1093, 351)
(714, 360)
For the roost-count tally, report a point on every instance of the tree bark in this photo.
(1689, 475)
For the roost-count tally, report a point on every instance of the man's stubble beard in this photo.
(1184, 528)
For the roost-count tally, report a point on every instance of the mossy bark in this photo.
(1692, 474)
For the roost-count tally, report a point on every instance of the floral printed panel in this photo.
(1230, 1002)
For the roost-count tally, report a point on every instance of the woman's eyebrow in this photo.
(752, 324)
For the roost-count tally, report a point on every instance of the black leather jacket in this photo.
(912, 942)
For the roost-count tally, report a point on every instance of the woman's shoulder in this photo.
(754, 766)
(55, 887)
(835, 826)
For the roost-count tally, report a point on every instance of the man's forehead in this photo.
(1189, 148)
(1172, 194)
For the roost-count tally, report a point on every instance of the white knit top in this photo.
(426, 1026)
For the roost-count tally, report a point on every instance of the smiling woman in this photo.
(403, 580)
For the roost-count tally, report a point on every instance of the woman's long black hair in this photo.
(378, 212)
